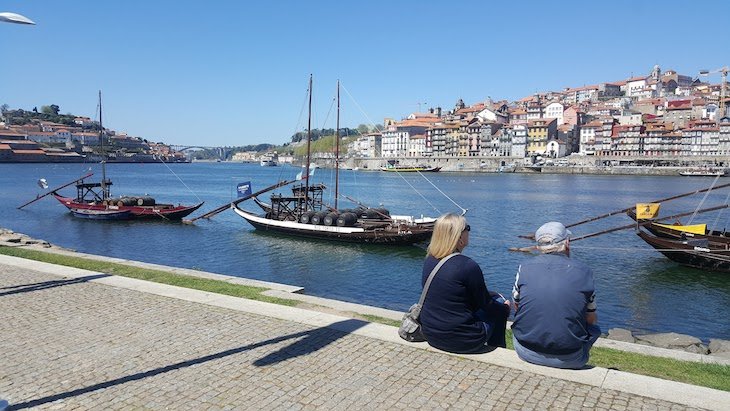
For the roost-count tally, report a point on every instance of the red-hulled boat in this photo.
(94, 200)
(147, 209)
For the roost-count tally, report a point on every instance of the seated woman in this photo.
(459, 314)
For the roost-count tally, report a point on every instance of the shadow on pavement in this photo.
(313, 340)
(27, 288)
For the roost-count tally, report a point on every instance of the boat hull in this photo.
(398, 235)
(412, 169)
(716, 239)
(158, 211)
(688, 253)
(107, 215)
(701, 173)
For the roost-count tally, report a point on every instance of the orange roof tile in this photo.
(38, 151)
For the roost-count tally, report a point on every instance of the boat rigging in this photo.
(304, 213)
(94, 200)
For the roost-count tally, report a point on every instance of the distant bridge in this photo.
(222, 152)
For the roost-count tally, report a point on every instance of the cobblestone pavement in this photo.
(72, 344)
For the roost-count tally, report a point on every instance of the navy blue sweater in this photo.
(456, 293)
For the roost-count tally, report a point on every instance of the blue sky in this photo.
(235, 73)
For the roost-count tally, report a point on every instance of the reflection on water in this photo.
(637, 287)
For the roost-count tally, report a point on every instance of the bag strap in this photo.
(433, 274)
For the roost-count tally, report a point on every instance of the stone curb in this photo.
(602, 342)
(651, 387)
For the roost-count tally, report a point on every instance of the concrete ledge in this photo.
(338, 305)
(679, 393)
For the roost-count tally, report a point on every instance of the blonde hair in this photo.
(446, 234)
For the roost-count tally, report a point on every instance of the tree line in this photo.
(344, 132)
(49, 113)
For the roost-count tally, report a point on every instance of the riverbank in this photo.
(136, 344)
(573, 164)
(717, 350)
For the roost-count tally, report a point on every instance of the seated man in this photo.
(554, 300)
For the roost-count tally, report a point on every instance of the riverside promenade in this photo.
(73, 340)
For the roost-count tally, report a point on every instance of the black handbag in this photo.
(410, 327)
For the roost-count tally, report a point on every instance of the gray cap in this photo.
(551, 233)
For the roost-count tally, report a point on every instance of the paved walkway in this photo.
(74, 339)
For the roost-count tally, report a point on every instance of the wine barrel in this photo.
(318, 217)
(127, 201)
(346, 220)
(306, 218)
(371, 213)
(145, 201)
(331, 218)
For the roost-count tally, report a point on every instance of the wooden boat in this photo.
(304, 214)
(703, 172)
(410, 169)
(94, 200)
(683, 232)
(101, 214)
(143, 210)
(692, 253)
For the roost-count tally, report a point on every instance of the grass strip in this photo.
(700, 374)
(157, 276)
(706, 375)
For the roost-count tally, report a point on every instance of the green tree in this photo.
(363, 129)
(50, 110)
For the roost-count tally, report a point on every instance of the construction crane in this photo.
(723, 73)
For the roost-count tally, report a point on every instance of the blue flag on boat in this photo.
(244, 189)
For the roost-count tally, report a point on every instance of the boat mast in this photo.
(104, 188)
(337, 147)
(309, 142)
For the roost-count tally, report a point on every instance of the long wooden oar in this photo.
(56, 189)
(643, 223)
(532, 236)
(232, 203)
(624, 227)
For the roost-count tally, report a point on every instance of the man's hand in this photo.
(591, 318)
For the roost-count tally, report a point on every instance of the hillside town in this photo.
(662, 117)
(51, 142)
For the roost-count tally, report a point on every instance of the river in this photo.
(637, 288)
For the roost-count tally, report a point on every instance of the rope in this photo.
(183, 183)
(703, 199)
(463, 210)
(160, 214)
(419, 193)
(717, 219)
(372, 123)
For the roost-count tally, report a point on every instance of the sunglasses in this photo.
(467, 228)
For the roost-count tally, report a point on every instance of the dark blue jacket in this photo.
(447, 315)
(553, 293)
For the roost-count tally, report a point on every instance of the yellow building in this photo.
(539, 132)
